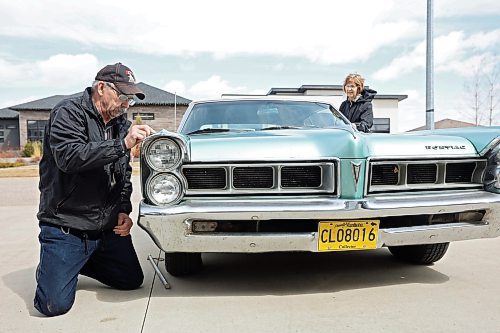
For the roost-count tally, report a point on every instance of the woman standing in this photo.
(358, 105)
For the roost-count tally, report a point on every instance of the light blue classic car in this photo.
(267, 175)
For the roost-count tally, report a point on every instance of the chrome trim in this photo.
(174, 172)
(183, 143)
(330, 180)
(355, 174)
(147, 154)
(402, 186)
(158, 174)
(169, 227)
(181, 140)
(492, 145)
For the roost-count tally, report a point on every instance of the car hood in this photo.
(314, 144)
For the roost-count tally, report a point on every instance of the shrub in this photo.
(28, 149)
(32, 149)
(138, 120)
(37, 153)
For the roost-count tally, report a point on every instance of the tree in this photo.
(474, 96)
(492, 98)
(482, 92)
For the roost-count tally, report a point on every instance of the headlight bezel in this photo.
(173, 143)
(148, 170)
(149, 188)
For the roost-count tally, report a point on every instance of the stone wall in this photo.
(165, 117)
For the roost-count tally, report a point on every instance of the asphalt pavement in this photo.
(355, 291)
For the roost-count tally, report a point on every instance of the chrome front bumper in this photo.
(170, 227)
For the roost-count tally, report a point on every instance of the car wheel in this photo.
(424, 254)
(182, 263)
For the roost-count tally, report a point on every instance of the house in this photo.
(445, 123)
(20, 123)
(9, 129)
(385, 107)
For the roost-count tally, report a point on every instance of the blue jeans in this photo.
(110, 259)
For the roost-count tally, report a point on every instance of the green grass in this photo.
(10, 164)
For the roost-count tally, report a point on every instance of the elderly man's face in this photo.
(112, 106)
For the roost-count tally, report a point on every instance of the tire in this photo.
(182, 263)
(424, 254)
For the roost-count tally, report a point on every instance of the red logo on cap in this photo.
(130, 75)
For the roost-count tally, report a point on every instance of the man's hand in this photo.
(124, 225)
(137, 134)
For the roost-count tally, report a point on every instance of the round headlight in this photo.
(164, 189)
(163, 154)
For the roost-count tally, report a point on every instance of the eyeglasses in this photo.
(122, 97)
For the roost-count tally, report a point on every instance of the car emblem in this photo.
(355, 173)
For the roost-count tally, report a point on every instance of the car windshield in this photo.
(225, 116)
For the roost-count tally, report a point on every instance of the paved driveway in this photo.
(278, 292)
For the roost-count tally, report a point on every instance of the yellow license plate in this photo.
(347, 235)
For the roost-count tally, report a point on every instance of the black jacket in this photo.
(360, 112)
(84, 177)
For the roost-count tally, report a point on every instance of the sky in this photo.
(202, 49)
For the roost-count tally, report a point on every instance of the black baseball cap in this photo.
(122, 77)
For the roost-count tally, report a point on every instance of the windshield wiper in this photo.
(277, 127)
(209, 130)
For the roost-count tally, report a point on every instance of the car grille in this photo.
(460, 172)
(421, 173)
(301, 176)
(385, 174)
(394, 176)
(270, 178)
(248, 177)
(205, 178)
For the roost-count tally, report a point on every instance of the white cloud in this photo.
(453, 52)
(11, 102)
(215, 86)
(474, 65)
(175, 86)
(325, 32)
(278, 67)
(403, 64)
(212, 88)
(58, 71)
(454, 8)
(321, 31)
(411, 111)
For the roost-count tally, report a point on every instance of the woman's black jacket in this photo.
(84, 176)
(360, 112)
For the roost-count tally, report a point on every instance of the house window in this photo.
(36, 129)
(13, 126)
(143, 115)
(381, 125)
